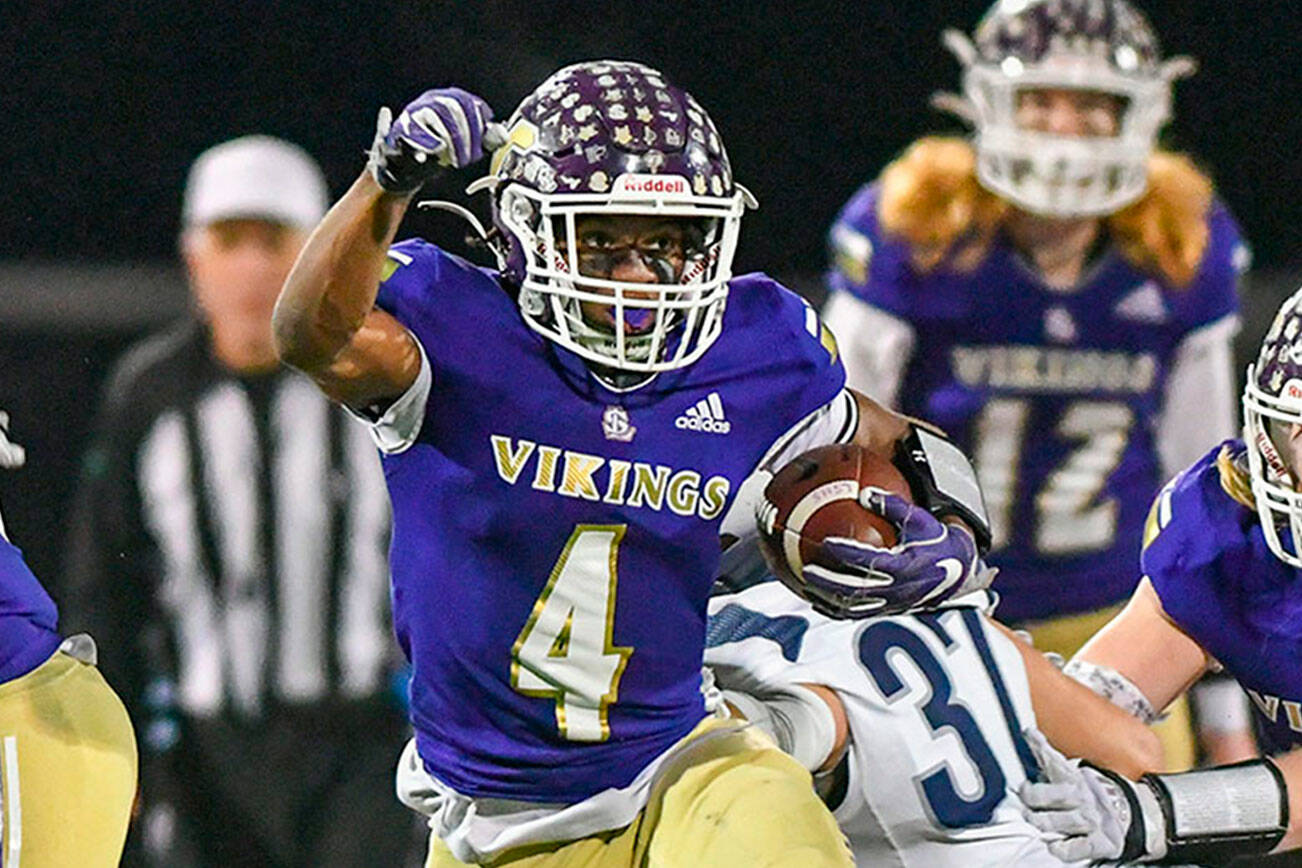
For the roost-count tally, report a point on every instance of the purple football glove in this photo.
(931, 562)
(445, 128)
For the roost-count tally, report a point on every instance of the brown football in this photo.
(816, 496)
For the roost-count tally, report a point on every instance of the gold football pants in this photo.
(1066, 636)
(67, 768)
(733, 800)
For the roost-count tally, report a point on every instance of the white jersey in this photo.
(936, 704)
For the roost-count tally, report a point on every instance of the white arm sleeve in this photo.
(1199, 407)
(875, 346)
(399, 427)
(834, 422)
(798, 720)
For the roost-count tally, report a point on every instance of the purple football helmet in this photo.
(1272, 403)
(1105, 46)
(615, 137)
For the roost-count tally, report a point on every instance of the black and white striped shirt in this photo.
(231, 537)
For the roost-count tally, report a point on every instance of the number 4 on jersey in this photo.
(566, 649)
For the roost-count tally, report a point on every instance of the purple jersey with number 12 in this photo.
(555, 541)
(1055, 395)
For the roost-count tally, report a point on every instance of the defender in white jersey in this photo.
(938, 709)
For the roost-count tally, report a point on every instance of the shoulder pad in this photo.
(864, 260)
(1193, 515)
(757, 299)
(1213, 293)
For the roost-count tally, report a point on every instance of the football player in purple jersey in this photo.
(1059, 295)
(1220, 590)
(67, 750)
(567, 438)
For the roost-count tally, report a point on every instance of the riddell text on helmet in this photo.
(633, 183)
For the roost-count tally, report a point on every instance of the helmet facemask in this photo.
(612, 138)
(652, 327)
(1267, 429)
(1057, 175)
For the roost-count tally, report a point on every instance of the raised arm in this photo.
(325, 322)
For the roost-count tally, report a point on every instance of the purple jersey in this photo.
(1055, 395)
(555, 541)
(28, 619)
(1218, 581)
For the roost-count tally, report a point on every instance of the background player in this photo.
(67, 751)
(563, 439)
(1220, 589)
(1058, 295)
(918, 723)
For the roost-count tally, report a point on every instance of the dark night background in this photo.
(105, 105)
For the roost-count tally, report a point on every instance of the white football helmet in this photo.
(1272, 404)
(1104, 46)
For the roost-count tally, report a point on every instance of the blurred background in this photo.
(106, 105)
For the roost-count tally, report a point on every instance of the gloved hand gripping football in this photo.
(931, 561)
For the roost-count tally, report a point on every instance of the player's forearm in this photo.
(804, 720)
(1080, 723)
(880, 429)
(1145, 647)
(333, 285)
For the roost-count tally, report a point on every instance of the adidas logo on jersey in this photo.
(705, 415)
(1143, 305)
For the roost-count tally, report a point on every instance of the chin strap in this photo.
(482, 237)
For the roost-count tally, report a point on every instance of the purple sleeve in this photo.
(1214, 292)
(817, 357)
(1193, 532)
(864, 262)
(803, 369)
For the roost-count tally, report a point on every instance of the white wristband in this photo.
(1221, 706)
(1114, 687)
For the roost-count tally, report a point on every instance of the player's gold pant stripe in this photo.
(13, 802)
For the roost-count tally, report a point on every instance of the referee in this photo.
(229, 552)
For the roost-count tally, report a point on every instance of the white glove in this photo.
(1087, 813)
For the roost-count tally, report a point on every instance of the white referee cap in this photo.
(255, 177)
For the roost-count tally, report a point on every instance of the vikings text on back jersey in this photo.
(554, 540)
(1058, 396)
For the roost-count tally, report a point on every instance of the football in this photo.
(816, 496)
